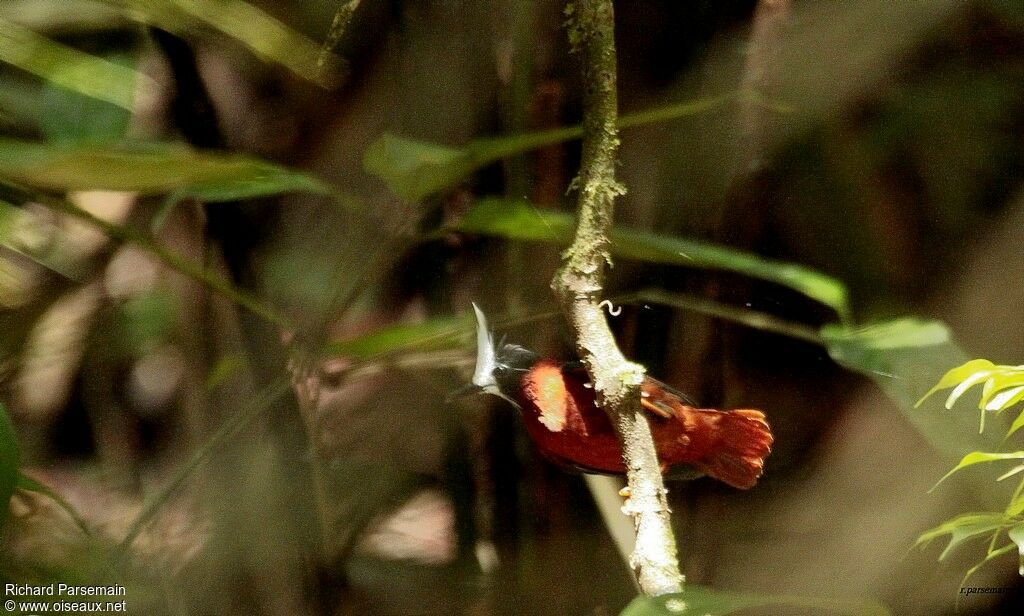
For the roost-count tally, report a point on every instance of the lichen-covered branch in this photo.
(578, 285)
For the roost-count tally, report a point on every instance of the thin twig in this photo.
(578, 284)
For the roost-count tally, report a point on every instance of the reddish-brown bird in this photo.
(558, 407)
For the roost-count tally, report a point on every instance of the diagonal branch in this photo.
(578, 285)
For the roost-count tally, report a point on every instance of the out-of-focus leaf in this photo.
(414, 169)
(147, 169)
(1016, 535)
(242, 188)
(963, 528)
(981, 457)
(432, 334)
(32, 485)
(68, 68)
(264, 35)
(68, 117)
(888, 335)
(704, 601)
(521, 221)
(225, 368)
(146, 322)
(903, 373)
(868, 349)
(9, 460)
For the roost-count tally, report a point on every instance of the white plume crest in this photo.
(483, 377)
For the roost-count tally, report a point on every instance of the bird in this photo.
(558, 406)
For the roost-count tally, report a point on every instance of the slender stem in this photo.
(578, 285)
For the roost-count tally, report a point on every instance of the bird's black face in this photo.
(512, 363)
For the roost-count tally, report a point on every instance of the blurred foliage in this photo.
(837, 197)
(1002, 388)
(8, 462)
(68, 68)
(416, 169)
(521, 221)
(702, 601)
(181, 171)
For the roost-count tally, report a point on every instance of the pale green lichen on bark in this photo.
(578, 285)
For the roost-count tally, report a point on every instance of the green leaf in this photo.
(704, 601)
(957, 375)
(980, 457)
(1003, 378)
(415, 169)
(907, 332)
(9, 461)
(261, 33)
(148, 169)
(961, 521)
(868, 348)
(1016, 506)
(432, 334)
(68, 117)
(1016, 425)
(992, 555)
(518, 220)
(69, 68)
(1010, 473)
(32, 485)
(1016, 535)
(963, 528)
(245, 187)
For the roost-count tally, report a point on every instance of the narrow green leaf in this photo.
(867, 349)
(1016, 535)
(966, 384)
(9, 461)
(1015, 506)
(518, 220)
(69, 68)
(967, 520)
(415, 169)
(1016, 425)
(980, 457)
(704, 601)
(250, 187)
(962, 534)
(432, 334)
(906, 332)
(261, 33)
(146, 168)
(1003, 377)
(1010, 473)
(956, 375)
(1005, 399)
(68, 117)
(32, 485)
(992, 555)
